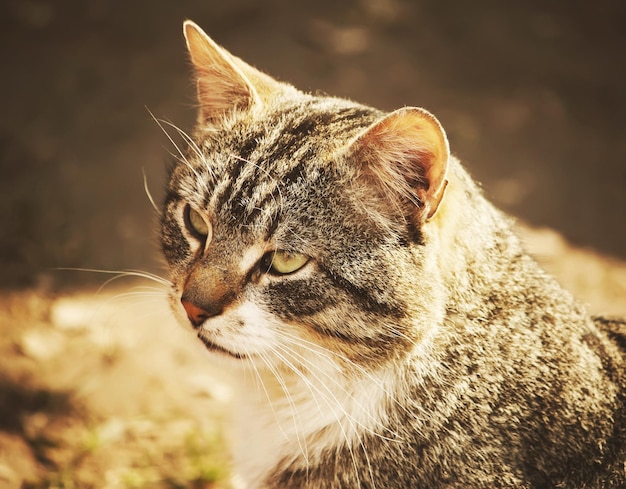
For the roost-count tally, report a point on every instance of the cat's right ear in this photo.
(224, 81)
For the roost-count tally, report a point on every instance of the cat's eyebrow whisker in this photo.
(184, 135)
(199, 180)
(183, 159)
(180, 152)
(147, 190)
(160, 123)
(192, 144)
(121, 274)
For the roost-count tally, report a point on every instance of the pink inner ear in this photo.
(221, 84)
(406, 154)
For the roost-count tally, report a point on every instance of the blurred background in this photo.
(532, 95)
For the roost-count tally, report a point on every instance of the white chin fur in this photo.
(291, 399)
(244, 330)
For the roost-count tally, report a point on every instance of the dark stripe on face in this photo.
(328, 120)
(285, 147)
(351, 113)
(283, 181)
(234, 173)
(273, 224)
(291, 139)
(248, 147)
(302, 129)
(366, 300)
(173, 244)
(241, 199)
(310, 303)
(306, 297)
(297, 172)
(273, 192)
(294, 299)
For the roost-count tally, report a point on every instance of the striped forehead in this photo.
(245, 170)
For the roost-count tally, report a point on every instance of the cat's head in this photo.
(295, 225)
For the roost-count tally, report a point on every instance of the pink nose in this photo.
(196, 314)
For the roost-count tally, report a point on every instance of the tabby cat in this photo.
(382, 324)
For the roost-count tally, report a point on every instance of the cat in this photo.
(380, 320)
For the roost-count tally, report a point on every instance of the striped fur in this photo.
(419, 346)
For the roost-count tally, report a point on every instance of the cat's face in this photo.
(292, 226)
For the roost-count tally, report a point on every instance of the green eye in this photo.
(284, 262)
(196, 224)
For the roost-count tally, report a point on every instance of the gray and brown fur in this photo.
(420, 346)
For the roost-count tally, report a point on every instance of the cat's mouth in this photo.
(217, 348)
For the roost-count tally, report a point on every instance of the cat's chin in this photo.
(214, 348)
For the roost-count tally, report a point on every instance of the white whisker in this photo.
(121, 274)
(297, 424)
(183, 158)
(324, 383)
(192, 145)
(156, 294)
(315, 349)
(260, 384)
(327, 400)
(147, 190)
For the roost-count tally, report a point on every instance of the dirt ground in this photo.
(98, 388)
(101, 390)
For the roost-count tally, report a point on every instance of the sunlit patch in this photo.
(250, 258)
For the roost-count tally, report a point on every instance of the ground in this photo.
(100, 388)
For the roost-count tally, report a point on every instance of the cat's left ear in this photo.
(225, 82)
(405, 156)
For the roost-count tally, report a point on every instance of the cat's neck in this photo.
(472, 240)
(286, 419)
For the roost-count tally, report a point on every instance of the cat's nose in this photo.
(207, 292)
(196, 314)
